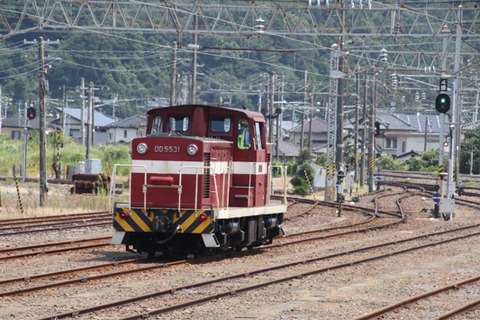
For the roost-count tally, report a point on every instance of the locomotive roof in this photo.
(247, 113)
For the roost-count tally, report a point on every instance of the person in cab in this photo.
(243, 141)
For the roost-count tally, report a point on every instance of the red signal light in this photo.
(31, 113)
(376, 131)
(202, 217)
(123, 214)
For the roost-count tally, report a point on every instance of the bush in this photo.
(302, 190)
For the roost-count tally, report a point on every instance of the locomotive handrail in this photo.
(226, 184)
(250, 182)
(229, 171)
(196, 185)
(112, 185)
(284, 181)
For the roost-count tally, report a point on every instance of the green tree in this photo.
(470, 145)
(387, 162)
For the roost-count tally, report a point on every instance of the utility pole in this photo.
(42, 89)
(89, 119)
(25, 134)
(426, 134)
(193, 93)
(302, 136)
(42, 116)
(457, 103)
(340, 90)
(82, 116)
(64, 103)
(364, 130)
(371, 149)
(355, 145)
(173, 79)
(272, 106)
(311, 117)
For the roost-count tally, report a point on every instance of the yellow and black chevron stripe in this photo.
(139, 220)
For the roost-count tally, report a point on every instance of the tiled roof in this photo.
(317, 126)
(100, 119)
(18, 122)
(287, 149)
(132, 122)
(409, 122)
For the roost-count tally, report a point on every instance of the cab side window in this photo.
(157, 125)
(220, 124)
(259, 135)
(243, 135)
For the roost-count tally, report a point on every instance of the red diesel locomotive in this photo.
(200, 181)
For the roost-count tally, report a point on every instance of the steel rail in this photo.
(52, 244)
(68, 271)
(31, 254)
(90, 278)
(59, 228)
(85, 279)
(284, 279)
(405, 302)
(78, 216)
(59, 224)
(258, 271)
(460, 310)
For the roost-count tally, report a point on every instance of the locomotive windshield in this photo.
(179, 123)
(157, 125)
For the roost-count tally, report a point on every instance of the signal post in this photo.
(447, 201)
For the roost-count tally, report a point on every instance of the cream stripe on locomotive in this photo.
(165, 167)
(138, 221)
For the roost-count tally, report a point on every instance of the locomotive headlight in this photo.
(142, 148)
(192, 149)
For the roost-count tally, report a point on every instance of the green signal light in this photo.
(442, 103)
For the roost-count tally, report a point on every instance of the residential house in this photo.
(319, 133)
(123, 131)
(400, 134)
(14, 126)
(286, 151)
(73, 124)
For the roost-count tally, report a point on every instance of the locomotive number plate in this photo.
(167, 149)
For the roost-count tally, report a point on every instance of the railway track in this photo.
(121, 267)
(84, 279)
(247, 276)
(82, 245)
(53, 223)
(445, 290)
(54, 247)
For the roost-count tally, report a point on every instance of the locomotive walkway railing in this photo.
(283, 175)
(111, 199)
(197, 168)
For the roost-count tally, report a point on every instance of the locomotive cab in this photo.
(199, 180)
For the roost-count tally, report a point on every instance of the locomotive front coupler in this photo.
(174, 232)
